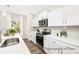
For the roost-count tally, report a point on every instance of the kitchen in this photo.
(63, 25)
(53, 28)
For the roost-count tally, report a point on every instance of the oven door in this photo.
(39, 40)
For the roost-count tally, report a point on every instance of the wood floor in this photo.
(34, 49)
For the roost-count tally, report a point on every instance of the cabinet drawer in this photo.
(52, 47)
(51, 51)
(70, 49)
(47, 43)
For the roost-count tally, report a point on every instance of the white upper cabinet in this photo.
(63, 16)
(43, 14)
(58, 14)
(51, 20)
(55, 17)
(35, 22)
(39, 17)
(71, 15)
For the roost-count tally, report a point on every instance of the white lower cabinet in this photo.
(70, 49)
(51, 46)
(33, 37)
(55, 46)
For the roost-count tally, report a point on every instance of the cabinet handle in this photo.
(53, 42)
(62, 21)
(65, 21)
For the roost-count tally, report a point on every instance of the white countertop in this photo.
(20, 48)
(63, 39)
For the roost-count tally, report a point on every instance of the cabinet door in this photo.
(51, 19)
(33, 37)
(55, 48)
(71, 15)
(55, 17)
(70, 49)
(67, 48)
(51, 46)
(35, 22)
(46, 42)
(58, 14)
(47, 45)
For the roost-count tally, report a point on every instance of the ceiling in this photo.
(25, 9)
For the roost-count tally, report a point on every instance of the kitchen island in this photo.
(19, 48)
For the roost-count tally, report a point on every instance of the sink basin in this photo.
(10, 41)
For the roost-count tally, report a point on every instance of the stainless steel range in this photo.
(39, 39)
(40, 36)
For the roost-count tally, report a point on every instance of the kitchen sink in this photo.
(10, 41)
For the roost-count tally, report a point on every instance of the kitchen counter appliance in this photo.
(43, 22)
(40, 36)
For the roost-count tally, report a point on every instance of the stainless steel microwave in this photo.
(43, 22)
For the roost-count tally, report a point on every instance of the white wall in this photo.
(24, 25)
(27, 25)
(3, 22)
